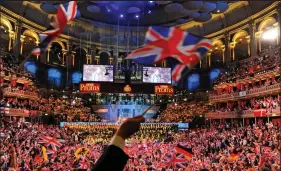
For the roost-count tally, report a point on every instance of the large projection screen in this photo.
(98, 73)
(156, 75)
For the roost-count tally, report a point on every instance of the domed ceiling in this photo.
(144, 13)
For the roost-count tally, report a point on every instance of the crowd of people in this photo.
(215, 148)
(268, 61)
(182, 112)
(267, 103)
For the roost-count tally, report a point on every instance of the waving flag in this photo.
(83, 164)
(165, 42)
(53, 143)
(233, 157)
(57, 25)
(187, 152)
(174, 161)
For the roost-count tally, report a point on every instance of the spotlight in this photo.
(108, 10)
(121, 16)
(270, 34)
(149, 11)
(150, 1)
(218, 10)
(137, 16)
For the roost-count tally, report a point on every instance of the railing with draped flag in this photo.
(20, 94)
(246, 94)
(18, 112)
(244, 113)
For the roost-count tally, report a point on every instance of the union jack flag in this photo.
(50, 152)
(53, 143)
(83, 164)
(175, 161)
(165, 42)
(57, 26)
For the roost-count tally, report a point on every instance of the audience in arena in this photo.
(243, 69)
(182, 112)
(215, 148)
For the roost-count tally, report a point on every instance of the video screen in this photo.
(98, 73)
(156, 75)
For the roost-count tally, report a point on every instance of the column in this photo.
(249, 45)
(243, 121)
(227, 48)
(253, 41)
(64, 52)
(223, 53)
(258, 36)
(37, 43)
(232, 46)
(21, 43)
(209, 59)
(73, 58)
(16, 48)
(11, 37)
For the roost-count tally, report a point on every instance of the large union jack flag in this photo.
(174, 161)
(57, 25)
(164, 42)
(50, 142)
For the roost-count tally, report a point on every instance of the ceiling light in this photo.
(108, 10)
(151, 1)
(137, 16)
(218, 10)
(149, 12)
(121, 15)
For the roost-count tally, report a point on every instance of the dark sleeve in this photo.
(112, 159)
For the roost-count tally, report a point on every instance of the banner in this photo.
(180, 125)
(164, 89)
(17, 112)
(89, 87)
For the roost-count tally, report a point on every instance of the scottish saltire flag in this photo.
(50, 142)
(165, 42)
(57, 25)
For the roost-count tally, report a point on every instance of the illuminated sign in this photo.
(89, 87)
(164, 89)
(127, 89)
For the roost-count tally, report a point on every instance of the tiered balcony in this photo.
(244, 114)
(257, 92)
(20, 94)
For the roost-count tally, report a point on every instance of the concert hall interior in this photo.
(205, 75)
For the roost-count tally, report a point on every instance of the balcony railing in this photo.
(244, 113)
(8, 92)
(272, 89)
